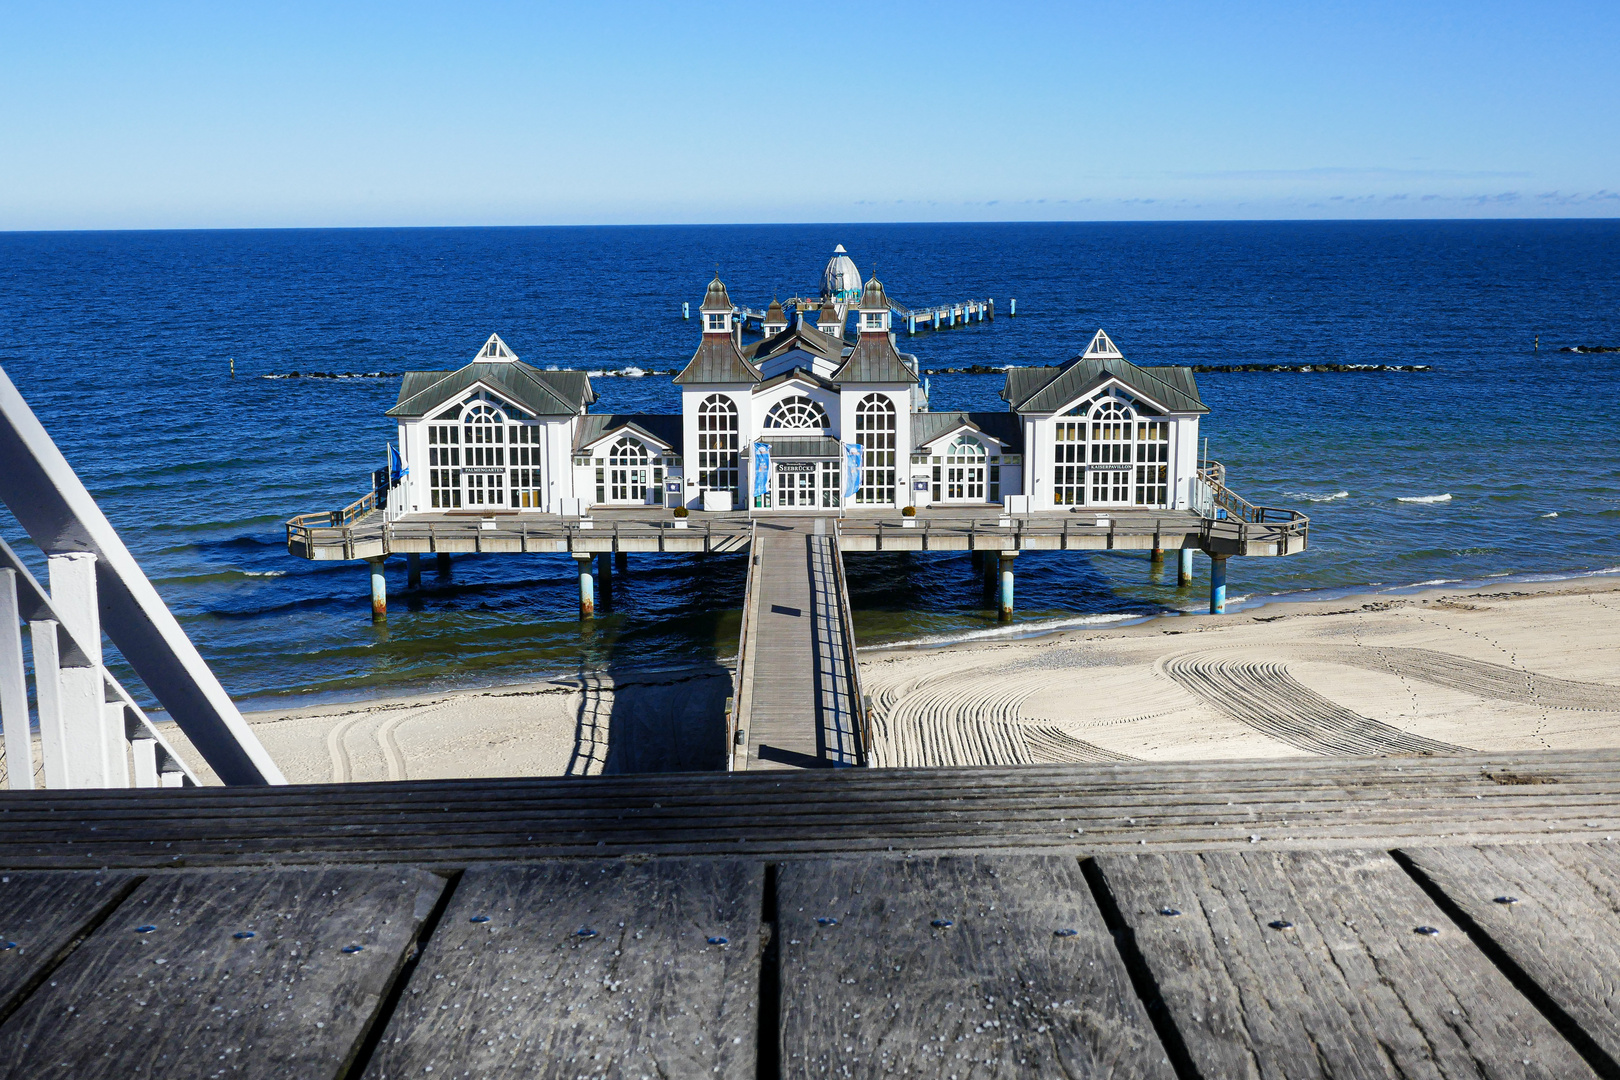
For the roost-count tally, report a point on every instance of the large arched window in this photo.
(1112, 431)
(875, 431)
(717, 445)
(627, 471)
(483, 444)
(797, 413)
(964, 470)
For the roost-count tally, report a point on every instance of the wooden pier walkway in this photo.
(1445, 917)
(797, 678)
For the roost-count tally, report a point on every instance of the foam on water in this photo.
(1424, 498)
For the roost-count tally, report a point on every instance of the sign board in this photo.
(919, 484)
(672, 487)
(796, 466)
(482, 470)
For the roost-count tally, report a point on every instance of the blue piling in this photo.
(1217, 584)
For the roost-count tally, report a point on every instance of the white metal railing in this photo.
(91, 731)
(739, 716)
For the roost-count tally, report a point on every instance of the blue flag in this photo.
(854, 458)
(396, 466)
(762, 473)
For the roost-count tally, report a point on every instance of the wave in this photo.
(1424, 498)
(1551, 514)
(1308, 497)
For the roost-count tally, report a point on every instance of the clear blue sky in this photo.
(175, 115)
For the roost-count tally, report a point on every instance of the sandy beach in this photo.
(1513, 667)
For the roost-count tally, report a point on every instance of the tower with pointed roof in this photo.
(775, 320)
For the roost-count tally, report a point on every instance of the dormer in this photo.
(830, 322)
(717, 310)
(1102, 348)
(495, 349)
(775, 321)
(873, 313)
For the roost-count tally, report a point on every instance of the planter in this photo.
(1103, 523)
(680, 523)
(908, 523)
(586, 523)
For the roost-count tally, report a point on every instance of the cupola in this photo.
(873, 312)
(716, 309)
(830, 322)
(775, 321)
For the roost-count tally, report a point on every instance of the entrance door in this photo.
(1111, 430)
(795, 484)
(484, 488)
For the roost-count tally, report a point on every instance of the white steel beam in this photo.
(48, 698)
(50, 502)
(84, 715)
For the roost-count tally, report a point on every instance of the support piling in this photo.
(379, 590)
(1217, 584)
(1006, 565)
(587, 588)
(413, 564)
(1184, 567)
(443, 564)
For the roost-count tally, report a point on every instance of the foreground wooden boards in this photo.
(42, 915)
(1003, 991)
(1555, 911)
(586, 968)
(1350, 989)
(187, 998)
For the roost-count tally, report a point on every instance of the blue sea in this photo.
(122, 342)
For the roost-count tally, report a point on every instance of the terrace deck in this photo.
(1210, 920)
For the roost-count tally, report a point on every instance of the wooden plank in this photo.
(1295, 964)
(1003, 990)
(602, 969)
(188, 998)
(42, 916)
(1561, 928)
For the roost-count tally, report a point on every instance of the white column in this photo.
(118, 727)
(48, 698)
(144, 751)
(14, 689)
(90, 741)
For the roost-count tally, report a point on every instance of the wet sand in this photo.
(1514, 667)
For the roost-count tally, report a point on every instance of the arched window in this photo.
(875, 431)
(627, 471)
(797, 412)
(483, 444)
(717, 445)
(1112, 432)
(964, 469)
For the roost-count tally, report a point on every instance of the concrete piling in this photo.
(1184, 568)
(1012, 306)
(1006, 565)
(1217, 584)
(413, 565)
(379, 590)
(443, 565)
(604, 574)
(621, 560)
(587, 587)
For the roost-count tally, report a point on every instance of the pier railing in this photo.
(857, 695)
(742, 692)
(92, 734)
(1212, 500)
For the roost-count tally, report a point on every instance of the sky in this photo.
(171, 115)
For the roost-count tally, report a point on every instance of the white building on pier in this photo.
(811, 417)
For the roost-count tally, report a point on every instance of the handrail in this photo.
(863, 715)
(1280, 522)
(742, 696)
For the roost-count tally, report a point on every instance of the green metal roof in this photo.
(801, 447)
(1048, 389)
(662, 428)
(1005, 427)
(718, 360)
(874, 360)
(541, 393)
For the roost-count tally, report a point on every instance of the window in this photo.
(717, 321)
(797, 412)
(874, 320)
(995, 481)
(1152, 462)
(483, 455)
(524, 491)
(1069, 464)
(832, 481)
(444, 465)
(875, 431)
(1112, 426)
(717, 445)
(627, 469)
(964, 470)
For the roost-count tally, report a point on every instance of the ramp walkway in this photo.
(798, 700)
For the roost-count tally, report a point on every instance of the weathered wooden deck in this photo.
(801, 712)
(1443, 917)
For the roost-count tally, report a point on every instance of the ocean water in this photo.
(1501, 461)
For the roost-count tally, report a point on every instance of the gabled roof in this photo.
(1102, 347)
(798, 374)
(1004, 427)
(661, 428)
(874, 360)
(542, 393)
(1048, 389)
(798, 336)
(718, 360)
(716, 299)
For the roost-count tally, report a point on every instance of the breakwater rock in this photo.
(1590, 348)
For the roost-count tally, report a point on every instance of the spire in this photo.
(495, 349)
(1102, 348)
(874, 309)
(717, 308)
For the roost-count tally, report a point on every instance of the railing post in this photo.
(48, 699)
(14, 689)
(143, 751)
(90, 745)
